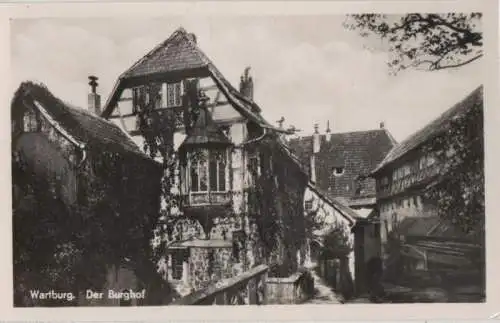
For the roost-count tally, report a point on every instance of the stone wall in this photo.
(327, 216)
(295, 289)
(209, 265)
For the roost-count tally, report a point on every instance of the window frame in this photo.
(309, 204)
(338, 174)
(171, 94)
(31, 121)
(177, 261)
(220, 164)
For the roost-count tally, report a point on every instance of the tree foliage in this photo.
(336, 240)
(459, 192)
(429, 41)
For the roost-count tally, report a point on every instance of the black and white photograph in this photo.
(177, 160)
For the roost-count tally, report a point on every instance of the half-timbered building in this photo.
(423, 239)
(233, 179)
(84, 197)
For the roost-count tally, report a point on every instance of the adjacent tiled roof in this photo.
(205, 132)
(432, 129)
(86, 128)
(348, 213)
(358, 152)
(431, 226)
(181, 53)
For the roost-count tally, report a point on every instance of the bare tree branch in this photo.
(414, 40)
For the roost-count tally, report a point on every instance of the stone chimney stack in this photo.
(94, 98)
(316, 148)
(328, 132)
(316, 140)
(382, 125)
(246, 84)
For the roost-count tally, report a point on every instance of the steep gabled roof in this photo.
(433, 129)
(180, 53)
(345, 211)
(82, 127)
(176, 53)
(357, 152)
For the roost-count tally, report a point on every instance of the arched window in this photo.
(207, 170)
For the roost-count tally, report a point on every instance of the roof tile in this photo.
(90, 129)
(432, 129)
(357, 152)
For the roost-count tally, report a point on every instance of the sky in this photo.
(308, 69)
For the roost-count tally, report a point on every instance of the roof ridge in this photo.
(61, 112)
(343, 132)
(159, 46)
(443, 117)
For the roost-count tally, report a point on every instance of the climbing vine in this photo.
(459, 193)
(157, 127)
(276, 205)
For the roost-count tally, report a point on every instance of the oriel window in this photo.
(207, 170)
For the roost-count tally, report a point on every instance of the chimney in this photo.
(316, 140)
(246, 84)
(328, 132)
(280, 122)
(192, 37)
(382, 125)
(94, 98)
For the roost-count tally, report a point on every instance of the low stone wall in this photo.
(294, 289)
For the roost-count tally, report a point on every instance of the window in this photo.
(208, 170)
(406, 170)
(171, 95)
(394, 219)
(309, 205)
(358, 187)
(236, 251)
(30, 122)
(384, 181)
(338, 171)
(141, 96)
(136, 98)
(177, 264)
(253, 168)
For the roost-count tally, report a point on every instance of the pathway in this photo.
(323, 293)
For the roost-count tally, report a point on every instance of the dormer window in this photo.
(338, 171)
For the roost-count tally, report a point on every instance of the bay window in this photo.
(207, 170)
